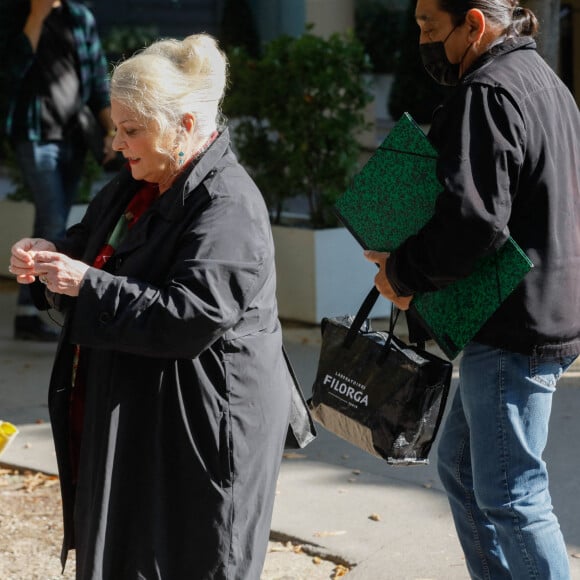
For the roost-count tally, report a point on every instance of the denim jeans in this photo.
(490, 463)
(52, 172)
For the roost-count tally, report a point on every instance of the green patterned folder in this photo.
(391, 198)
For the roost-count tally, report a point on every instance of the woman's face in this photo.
(138, 143)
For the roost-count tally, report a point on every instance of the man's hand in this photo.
(382, 282)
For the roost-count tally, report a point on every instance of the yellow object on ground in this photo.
(7, 433)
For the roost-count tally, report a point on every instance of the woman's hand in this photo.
(382, 282)
(61, 274)
(22, 258)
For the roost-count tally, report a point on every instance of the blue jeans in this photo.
(490, 463)
(52, 172)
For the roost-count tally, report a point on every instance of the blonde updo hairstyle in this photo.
(173, 77)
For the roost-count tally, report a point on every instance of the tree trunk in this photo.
(548, 13)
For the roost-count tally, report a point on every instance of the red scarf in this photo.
(141, 201)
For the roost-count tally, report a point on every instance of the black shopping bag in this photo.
(377, 392)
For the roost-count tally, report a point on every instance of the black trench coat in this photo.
(187, 395)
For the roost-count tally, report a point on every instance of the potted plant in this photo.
(296, 113)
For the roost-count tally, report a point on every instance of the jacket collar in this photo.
(497, 50)
(172, 201)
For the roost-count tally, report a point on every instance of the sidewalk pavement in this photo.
(390, 523)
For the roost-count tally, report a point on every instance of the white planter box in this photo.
(16, 222)
(321, 273)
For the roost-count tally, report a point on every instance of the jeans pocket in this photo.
(547, 371)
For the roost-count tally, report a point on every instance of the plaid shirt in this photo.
(17, 56)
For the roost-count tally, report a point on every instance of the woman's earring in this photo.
(181, 156)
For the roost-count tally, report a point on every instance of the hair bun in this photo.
(524, 21)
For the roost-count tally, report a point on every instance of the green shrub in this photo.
(121, 42)
(297, 111)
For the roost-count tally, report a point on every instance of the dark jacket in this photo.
(509, 161)
(188, 394)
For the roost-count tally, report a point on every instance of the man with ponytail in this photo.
(509, 164)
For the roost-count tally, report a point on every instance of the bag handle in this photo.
(363, 314)
(392, 323)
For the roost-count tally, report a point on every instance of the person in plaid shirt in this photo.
(53, 65)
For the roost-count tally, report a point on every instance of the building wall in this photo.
(329, 16)
(276, 17)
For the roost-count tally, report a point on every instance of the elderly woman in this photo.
(170, 396)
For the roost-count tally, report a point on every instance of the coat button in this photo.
(104, 317)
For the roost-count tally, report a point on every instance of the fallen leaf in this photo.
(317, 560)
(35, 480)
(339, 572)
(327, 534)
(293, 455)
(375, 517)
(8, 471)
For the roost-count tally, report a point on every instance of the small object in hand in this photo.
(43, 279)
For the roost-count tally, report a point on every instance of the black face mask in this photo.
(437, 64)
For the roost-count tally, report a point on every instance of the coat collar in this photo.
(172, 201)
(499, 49)
(170, 204)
